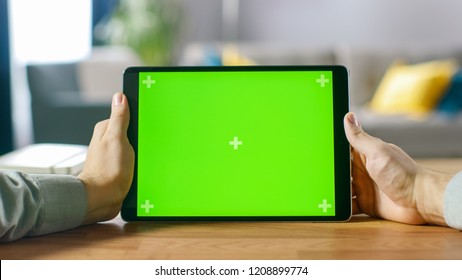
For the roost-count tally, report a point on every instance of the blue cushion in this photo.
(212, 58)
(451, 103)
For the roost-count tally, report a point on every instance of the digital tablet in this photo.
(238, 143)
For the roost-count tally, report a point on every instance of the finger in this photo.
(99, 130)
(120, 115)
(359, 140)
(358, 163)
(355, 207)
(361, 182)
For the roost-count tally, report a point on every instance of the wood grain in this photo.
(360, 238)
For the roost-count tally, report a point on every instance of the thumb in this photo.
(120, 115)
(359, 140)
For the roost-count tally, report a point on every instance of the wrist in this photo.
(99, 206)
(429, 195)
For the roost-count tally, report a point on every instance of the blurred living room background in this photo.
(61, 61)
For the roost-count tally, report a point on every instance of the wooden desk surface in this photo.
(360, 238)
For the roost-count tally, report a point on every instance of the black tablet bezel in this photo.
(341, 148)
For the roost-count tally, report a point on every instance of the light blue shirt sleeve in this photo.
(453, 202)
(39, 204)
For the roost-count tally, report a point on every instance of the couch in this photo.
(434, 135)
(68, 99)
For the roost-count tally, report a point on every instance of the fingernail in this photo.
(354, 120)
(117, 99)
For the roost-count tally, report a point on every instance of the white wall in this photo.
(43, 31)
(426, 23)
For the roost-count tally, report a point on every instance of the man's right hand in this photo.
(387, 183)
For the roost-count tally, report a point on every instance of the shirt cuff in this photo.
(453, 202)
(64, 203)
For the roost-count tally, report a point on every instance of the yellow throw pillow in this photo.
(413, 89)
(232, 57)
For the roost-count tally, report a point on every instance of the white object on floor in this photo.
(46, 159)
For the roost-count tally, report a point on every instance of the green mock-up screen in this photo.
(252, 143)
